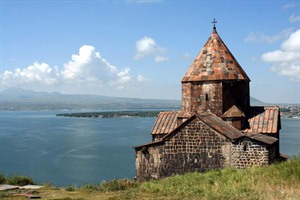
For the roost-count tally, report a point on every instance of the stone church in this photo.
(216, 127)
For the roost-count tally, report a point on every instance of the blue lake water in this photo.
(76, 151)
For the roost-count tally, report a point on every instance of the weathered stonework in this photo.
(200, 96)
(246, 152)
(215, 95)
(195, 147)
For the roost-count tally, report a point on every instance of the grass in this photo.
(278, 181)
(15, 180)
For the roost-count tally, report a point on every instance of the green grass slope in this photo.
(278, 181)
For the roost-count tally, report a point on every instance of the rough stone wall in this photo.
(236, 93)
(200, 96)
(215, 95)
(196, 147)
(246, 152)
(148, 163)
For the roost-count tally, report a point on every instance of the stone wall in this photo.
(148, 163)
(215, 95)
(246, 152)
(199, 96)
(196, 147)
(235, 93)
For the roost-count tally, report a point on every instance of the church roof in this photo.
(219, 125)
(264, 120)
(215, 62)
(262, 138)
(260, 120)
(214, 122)
(233, 112)
(165, 122)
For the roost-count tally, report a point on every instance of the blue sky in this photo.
(142, 48)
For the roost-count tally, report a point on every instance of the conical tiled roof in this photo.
(215, 62)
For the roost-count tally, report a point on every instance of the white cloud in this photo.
(88, 65)
(147, 47)
(290, 5)
(37, 72)
(86, 72)
(286, 60)
(257, 37)
(141, 78)
(159, 58)
(294, 18)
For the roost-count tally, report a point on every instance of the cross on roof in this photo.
(214, 22)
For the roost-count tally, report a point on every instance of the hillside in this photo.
(20, 99)
(278, 181)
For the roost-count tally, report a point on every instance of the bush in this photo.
(19, 180)
(116, 185)
(2, 178)
(90, 187)
(70, 188)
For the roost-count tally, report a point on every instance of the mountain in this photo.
(20, 99)
(256, 102)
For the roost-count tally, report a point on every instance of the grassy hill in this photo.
(278, 181)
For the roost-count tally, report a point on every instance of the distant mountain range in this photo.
(20, 99)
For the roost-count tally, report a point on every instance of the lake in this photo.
(76, 151)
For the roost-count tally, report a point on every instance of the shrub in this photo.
(2, 178)
(90, 187)
(19, 180)
(116, 185)
(70, 188)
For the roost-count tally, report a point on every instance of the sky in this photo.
(142, 48)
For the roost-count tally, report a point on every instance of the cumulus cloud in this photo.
(257, 37)
(37, 72)
(286, 60)
(147, 47)
(86, 71)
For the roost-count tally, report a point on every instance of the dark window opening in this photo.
(245, 147)
(206, 97)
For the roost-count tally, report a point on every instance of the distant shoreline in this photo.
(112, 114)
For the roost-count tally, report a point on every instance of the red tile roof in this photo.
(215, 62)
(165, 122)
(264, 120)
(261, 120)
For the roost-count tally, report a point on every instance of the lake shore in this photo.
(112, 114)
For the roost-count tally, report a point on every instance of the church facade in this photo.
(216, 127)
